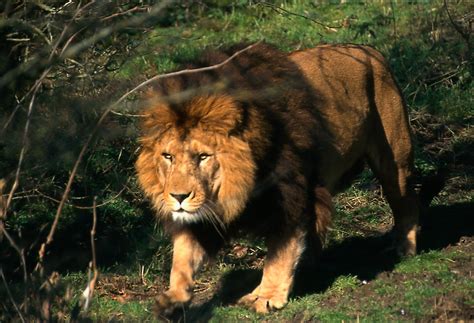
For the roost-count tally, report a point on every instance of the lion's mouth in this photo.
(184, 216)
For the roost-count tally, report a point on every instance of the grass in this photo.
(407, 293)
(109, 309)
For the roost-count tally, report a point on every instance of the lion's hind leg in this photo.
(390, 155)
(324, 209)
(391, 160)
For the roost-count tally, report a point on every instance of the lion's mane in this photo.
(259, 111)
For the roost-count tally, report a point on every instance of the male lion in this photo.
(260, 144)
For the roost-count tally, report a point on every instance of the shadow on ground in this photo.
(364, 257)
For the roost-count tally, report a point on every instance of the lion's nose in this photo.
(180, 197)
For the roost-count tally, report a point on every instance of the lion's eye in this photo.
(167, 156)
(203, 157)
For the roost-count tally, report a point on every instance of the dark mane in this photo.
(267, 86)
(261, 77)
(260, 68)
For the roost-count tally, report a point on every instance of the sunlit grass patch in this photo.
(109, 309)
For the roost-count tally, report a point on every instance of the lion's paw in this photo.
(167, 302)
(263, 304)
(247, 300)
(405, 248)
(403, 244)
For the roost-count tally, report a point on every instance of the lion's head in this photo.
(192, 165)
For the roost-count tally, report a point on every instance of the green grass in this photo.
(433, 262)
(107, 309)
(405, 293)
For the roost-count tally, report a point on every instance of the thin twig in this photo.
(66, 29)
(128, 114)
(33, 89)
(19, 250)
(66, 53)
(118, 14)
(18, 24)
(77, 206)
(22, 152)
(94, 224)
(181, 72)
(39, 81)
(280, 10)
(2, 200)
(10, 296)
(465, 34)
(458, 28)
(89, 291)
(49, 238)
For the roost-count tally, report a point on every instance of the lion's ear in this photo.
(159, 117)
(219, 114)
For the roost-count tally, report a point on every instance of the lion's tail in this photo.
(324, 209)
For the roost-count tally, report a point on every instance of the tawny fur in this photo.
(260, 144)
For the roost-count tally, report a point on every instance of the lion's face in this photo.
(190, 165)
(190, 173)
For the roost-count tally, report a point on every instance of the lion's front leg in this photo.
(278, 274)
(188, 256)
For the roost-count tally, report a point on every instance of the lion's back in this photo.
(343, 78)
(354, 89)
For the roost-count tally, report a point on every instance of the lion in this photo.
(260, 145)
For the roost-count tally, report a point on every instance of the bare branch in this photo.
(65, 30)
(72, 51)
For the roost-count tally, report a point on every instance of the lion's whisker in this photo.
(208, 214)
(211, 220)
(214, 215)
(211, 207)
